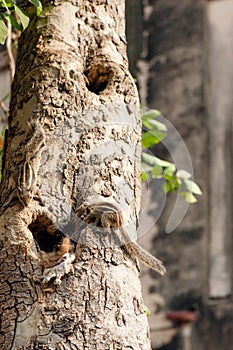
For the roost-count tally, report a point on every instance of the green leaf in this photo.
(152, 160)
(192, 187)
(5, 97)
(183, 174)
(9, 3)
(170, 170)
(3, 32)
(157, 172)
(152, 137)
(146, 168)
(189, 197)
(147, 310)
(23, 16)
(169, 177)
(13, 21)
(144, 176)
(154, 124)
(151, 114)
(173, 182)
(167, 187)
(37, 3)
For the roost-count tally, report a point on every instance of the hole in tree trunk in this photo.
(46, 234)
(98, 78)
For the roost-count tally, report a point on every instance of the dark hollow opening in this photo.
(46, 235)
(98, 78)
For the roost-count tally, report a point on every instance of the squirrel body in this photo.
(58, 263)
(111, 218)
(27, 180)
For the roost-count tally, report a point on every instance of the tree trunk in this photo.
(73, 145)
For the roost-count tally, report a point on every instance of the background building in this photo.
(181, 53)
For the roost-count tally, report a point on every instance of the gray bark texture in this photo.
(73, 144)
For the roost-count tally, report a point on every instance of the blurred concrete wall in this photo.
(219, 92)
(185, 70)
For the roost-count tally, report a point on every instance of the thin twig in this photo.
(8, 46)
(9, 52)
(4, 109)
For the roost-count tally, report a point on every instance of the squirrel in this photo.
(109, 217)
(55, 257)
(27, 180)
(58, 263)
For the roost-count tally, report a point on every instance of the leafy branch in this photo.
(158, 168)
(17, 16)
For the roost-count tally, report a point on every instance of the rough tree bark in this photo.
(73, 141)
